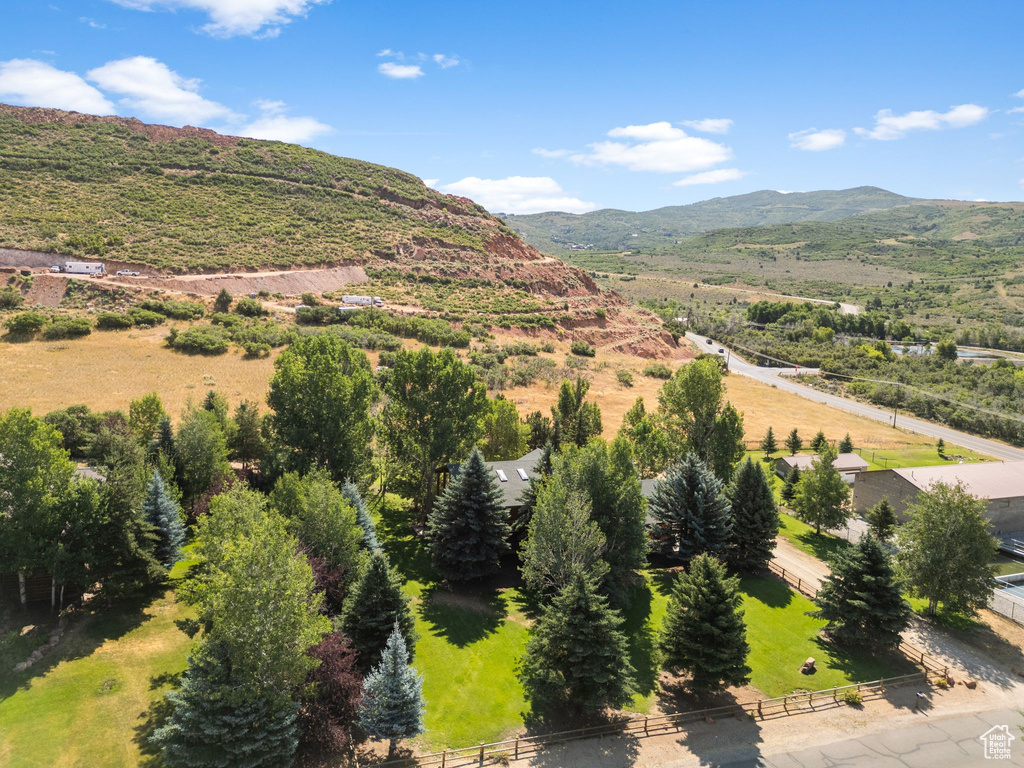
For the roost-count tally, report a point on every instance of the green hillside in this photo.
(187, 199)
(612, 229)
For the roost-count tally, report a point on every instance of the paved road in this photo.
(952, 742)
(779, 377)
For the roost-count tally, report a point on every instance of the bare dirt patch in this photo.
(290, 282)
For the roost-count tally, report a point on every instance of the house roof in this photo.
(514, 484)
(845, 462)
(989, 480)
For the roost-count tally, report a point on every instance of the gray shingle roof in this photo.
(513, 485)
(845, 462)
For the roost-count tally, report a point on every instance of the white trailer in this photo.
(84, 268)
(362, 301)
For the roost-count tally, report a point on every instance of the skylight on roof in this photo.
(522, 473)
(501, 475)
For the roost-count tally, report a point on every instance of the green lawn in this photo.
(1007, 565)
(804, 538)
(87, 703)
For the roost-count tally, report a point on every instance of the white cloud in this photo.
(33, 83)
(446, 61)
(710, 124)
(889, 126)
(152, 88)
(711, 177)
(258, 18)
(430, 182)
(275, 125)
(386, 52)
(551, 154)
(1015, 111)
(658, 147)
(92, 22)
(518, 194)
(1020, 94)
(813, 140)
(400, 71)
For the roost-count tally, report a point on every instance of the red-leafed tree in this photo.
(329, 580)
(331, 705)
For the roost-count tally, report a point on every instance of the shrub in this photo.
(113, 321)
(67, 328)
(583, 349)
(625, 378)
(852, 697)
(10, 298)
(250, 308)
(548, 347)
(601, 313)
(310, 299)
(25, 324)
(658, 371)
(178, 310)
(199, 340)
(144, 318)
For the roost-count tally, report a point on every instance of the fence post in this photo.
(835, 694)
(759, 709)
(481, 753)
(645, 724)
(444, 757)
(517, 748)
(799, 585)
(785, 704)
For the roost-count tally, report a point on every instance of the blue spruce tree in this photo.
(214, 724)
(355, 498)
(392, 706)
(691, 503)
(164, 515)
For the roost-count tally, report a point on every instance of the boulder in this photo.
(970, 684)
(808, 667)
(22, 666)
(709, 720)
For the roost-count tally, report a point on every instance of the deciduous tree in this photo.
(334, 691)
(505, 437)
(321, 395)
(823, 497)
(945, 549)
(432, 415)
(144, 417)
(645, 436)
(574, 419)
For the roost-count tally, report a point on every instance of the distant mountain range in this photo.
(612, 229)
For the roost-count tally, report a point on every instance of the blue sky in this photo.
(531, 106)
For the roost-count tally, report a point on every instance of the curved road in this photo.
(779, 377)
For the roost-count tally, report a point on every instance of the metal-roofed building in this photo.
(848, 464)
(513, 477)
(1000, 484)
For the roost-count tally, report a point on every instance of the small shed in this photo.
(849, 464)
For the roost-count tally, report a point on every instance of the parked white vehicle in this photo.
(127, 273)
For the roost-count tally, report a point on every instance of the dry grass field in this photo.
(107, 369)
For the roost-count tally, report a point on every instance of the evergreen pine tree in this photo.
(704, 633)
(163, 443)
(794, 443)
(882, 520)
(468, 527)
(788, 492)
(861, 599)
(755, 521)
(577, 655)
(213, 723)
(819, 442)
(164, 515)
(223, 301)
(690, 500)
(846, 444)
(392, 706)
(351, 492)
(768, 444)
(374, 605)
